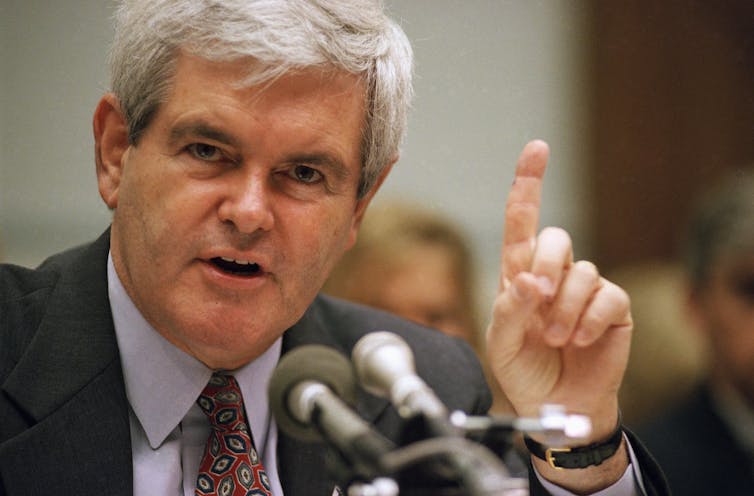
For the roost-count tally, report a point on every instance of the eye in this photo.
(205, 152)
(305, 174)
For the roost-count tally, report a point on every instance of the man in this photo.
(239, 149)
(711, 434)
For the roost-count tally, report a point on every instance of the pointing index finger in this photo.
(522, 209)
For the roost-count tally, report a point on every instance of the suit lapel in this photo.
(69, 384)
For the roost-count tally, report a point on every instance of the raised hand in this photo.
(559, 332)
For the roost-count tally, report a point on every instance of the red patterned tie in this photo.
(230, 465)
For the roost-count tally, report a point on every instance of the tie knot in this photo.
(222, 402)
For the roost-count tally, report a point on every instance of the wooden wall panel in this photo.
(672, 109)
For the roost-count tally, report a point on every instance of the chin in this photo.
(236, 334)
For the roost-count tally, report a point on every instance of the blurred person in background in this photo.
(706, 444)
(416, 263)
(667, 361)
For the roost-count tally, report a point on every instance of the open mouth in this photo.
(237, 267)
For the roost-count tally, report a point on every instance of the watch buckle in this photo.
(550, 458)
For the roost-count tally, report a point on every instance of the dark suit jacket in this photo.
(697, 451)
(64, 424)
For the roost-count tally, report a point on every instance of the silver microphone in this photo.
(385, 367)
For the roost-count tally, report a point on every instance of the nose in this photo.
(247, 204)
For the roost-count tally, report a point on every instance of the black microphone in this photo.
(310, 391)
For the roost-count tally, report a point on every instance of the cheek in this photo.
(336, 240)
(168, 202)
(338, 226)
(152, 216)
(316, 252)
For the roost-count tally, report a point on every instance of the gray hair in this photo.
(354, 36)
(721, 225)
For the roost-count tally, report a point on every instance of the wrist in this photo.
(587, 480)
(585, 469)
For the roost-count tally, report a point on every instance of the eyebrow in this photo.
(201, 129)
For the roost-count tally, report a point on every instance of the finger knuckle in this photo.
(620, 298)
(593, 319)
(587, 268)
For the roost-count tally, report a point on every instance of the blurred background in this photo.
(643, 102)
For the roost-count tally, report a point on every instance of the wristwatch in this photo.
(581, 457)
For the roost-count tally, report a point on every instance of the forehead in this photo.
(306, 110)
(247, 76)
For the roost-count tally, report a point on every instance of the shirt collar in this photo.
(163, 382)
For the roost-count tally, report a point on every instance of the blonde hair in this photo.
(389, 231)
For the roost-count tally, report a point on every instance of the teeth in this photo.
(239, 262)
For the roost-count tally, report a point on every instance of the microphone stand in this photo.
(439, 454)
(462, 464)
(436, 445)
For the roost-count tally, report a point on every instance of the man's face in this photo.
(725, 309)
(235, 204)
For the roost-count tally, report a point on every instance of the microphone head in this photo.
(380, 359)
(315, 363)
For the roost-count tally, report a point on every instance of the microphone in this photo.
(385, 367)
(310, 392)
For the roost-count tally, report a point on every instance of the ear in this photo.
(110, 147)
(363, 203)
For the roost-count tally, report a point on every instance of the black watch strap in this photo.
(581, 457)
